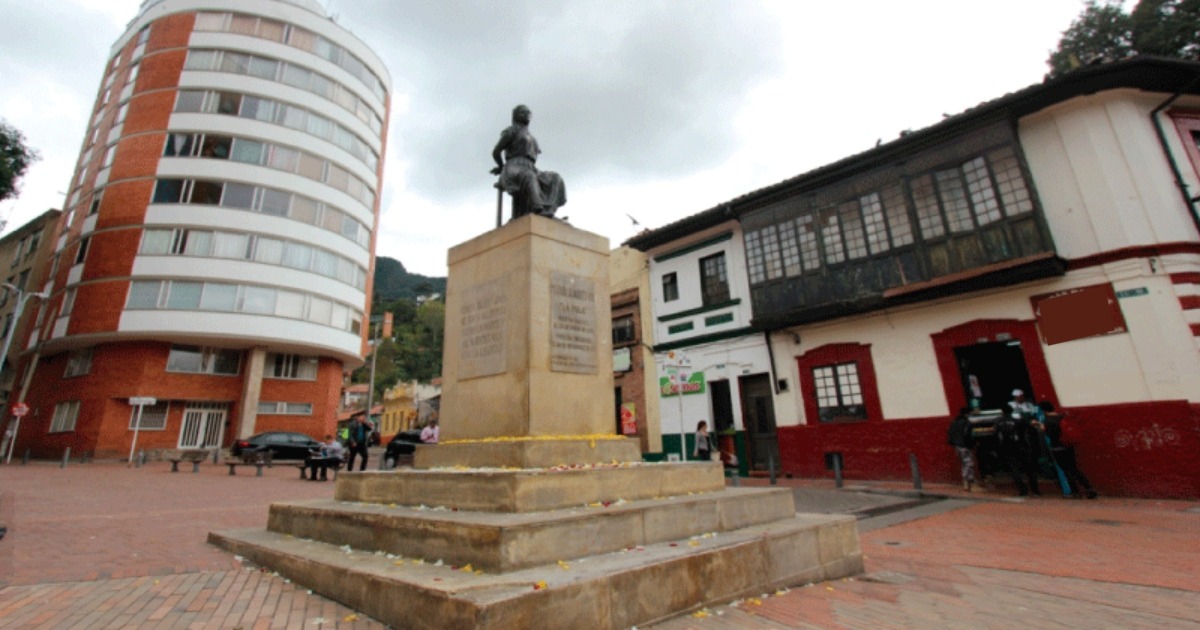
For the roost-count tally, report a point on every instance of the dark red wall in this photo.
(1139, 449)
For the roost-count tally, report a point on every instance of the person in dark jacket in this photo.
(360, 433)
(1054, 425)
(959, 436)
(1018, 444)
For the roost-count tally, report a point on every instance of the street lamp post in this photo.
(22, 298)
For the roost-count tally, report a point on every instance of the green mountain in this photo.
(393, 282)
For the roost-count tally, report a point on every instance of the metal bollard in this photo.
(735, 478)
(916, 471)
(771, 466)
(66, 457)
(25, 458)
(837, 469)
(216, 453)
(86, 458)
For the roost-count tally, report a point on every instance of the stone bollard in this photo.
(66, 457)
(916, 471)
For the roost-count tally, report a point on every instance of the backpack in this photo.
(959, 434)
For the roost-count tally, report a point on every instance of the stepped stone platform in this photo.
(599, 547)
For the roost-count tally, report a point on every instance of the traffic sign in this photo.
(20, 409)
(142, 401)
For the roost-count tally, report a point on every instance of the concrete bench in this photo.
(195, 457)
(234, 464)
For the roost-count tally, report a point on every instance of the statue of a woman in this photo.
(532, 192)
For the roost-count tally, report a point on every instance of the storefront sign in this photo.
(679, 381)
(629, 418)
(622, 361)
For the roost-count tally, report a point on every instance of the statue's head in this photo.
(521, 114)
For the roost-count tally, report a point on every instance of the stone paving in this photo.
(1003, 563)
(102, 545)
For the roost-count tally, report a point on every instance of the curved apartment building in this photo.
(216, 249)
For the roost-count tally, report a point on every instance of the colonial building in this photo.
(1048, 241)
(216, 248)
(712, 365)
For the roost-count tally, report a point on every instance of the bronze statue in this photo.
(532, 191)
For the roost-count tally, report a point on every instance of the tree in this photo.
(1104, 32)
(1167, 28)
(15, 158)
(1101, 32)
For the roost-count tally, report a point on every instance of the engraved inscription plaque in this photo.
(572, 324)
(483, 326)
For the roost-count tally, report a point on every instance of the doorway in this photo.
(722, 405)
(758, 412)
(203, 425)
(990, 371)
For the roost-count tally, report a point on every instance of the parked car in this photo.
(401, 447)
(281, 445)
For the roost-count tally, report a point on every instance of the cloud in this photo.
(630, 92)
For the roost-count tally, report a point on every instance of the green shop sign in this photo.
(676, 382)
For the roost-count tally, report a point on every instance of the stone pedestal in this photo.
(533, 512)
(527, 365)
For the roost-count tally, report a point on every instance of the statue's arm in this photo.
(498, 152)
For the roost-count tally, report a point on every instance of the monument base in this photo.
(612, 564)
(529, 452)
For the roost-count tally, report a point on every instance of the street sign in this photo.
(20, 409)
(142, 401)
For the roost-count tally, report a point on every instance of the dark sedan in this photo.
(280, 444)
(401, 447)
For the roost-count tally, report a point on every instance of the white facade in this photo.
(693, 339)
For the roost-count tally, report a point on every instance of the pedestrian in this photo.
(1018, 445)
(429, 435)
(959, 436)
(704, 447)
(1061, 439)
(360, 432)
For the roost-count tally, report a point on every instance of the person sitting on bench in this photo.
(330, 454)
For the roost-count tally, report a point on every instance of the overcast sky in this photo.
(657, 110)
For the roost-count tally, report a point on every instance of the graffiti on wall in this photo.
(1146, 438)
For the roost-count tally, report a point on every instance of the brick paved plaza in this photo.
(102, 545)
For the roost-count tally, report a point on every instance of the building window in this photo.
(231, 298)
(670, 287)
(109, 154)
(838, 384)
(65, 416)
(265, 200)
(285, 408)
(292, 366)
(143, 35)
(839, 394)
(97, 197)
(81, 254)
(154, 417)
(714, 283)
(197, 360)
(68, 302)
(622, 329)
(79, 363)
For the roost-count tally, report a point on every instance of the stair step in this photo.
(501, 542)
(613, 590)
